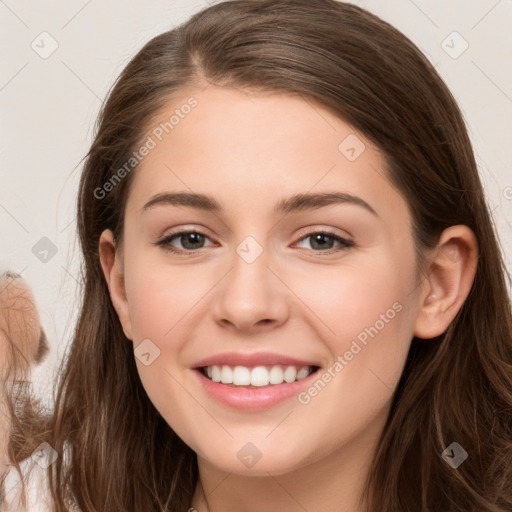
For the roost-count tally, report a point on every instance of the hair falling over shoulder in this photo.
(458, 387)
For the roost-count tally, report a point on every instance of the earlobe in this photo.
(450, 275)
(111, 264)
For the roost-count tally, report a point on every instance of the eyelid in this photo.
(164, 241)
(308, 230)
(318, 228)
(181, 230)
(344, 243)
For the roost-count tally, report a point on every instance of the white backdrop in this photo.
(59, 59)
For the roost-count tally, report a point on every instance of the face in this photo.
(300, 286)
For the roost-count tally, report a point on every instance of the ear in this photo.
(451, 269)
(111, 263)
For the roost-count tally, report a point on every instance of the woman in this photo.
(225, 358)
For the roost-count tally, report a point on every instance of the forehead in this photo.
(253, 149)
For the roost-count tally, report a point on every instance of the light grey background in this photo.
(49, 104)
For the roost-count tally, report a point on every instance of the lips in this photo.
(253, 381)
(253, 359)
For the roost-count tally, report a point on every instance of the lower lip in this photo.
(253, 398)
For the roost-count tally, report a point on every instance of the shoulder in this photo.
(30, 491)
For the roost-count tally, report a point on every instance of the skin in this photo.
(249, 151)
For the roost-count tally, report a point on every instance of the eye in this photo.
(191, 241)
(321, 239)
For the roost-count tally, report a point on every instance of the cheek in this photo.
(366, 320)
(351, 300)
(160, 297)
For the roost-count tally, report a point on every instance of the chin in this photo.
(254, 458)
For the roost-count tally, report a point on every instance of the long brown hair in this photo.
(457, 387)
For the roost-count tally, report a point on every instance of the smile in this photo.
(258, 376)
(254, 381)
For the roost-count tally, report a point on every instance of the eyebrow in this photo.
(297, 202)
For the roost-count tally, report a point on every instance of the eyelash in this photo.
(166, 242)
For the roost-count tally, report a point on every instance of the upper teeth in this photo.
(257, 376)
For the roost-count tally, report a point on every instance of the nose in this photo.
(251, 298)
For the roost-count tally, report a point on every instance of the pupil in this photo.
(191, 236)
(319, 237)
